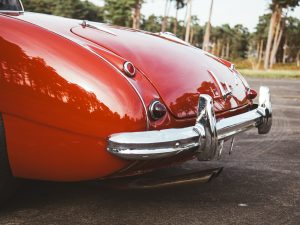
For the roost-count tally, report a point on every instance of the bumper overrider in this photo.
(206, 138)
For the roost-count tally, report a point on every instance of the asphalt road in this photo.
(260, 184)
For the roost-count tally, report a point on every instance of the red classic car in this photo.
(81, 100)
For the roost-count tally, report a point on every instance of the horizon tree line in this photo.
(275, 39)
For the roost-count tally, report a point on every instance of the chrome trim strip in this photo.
(224, 92)
(205, 138)
(10, 11)
(172, 37)
(94, 25)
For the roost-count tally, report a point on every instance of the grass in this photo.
(271, 73)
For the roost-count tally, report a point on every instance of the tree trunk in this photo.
(260, 54)
(165, 19)
(227, 49)
(298, 59)
(223, 51)
(285, 47)
(188, 21)
(277, 40)
(192, 35)
(275, 47)
(208, 28)
(219, 48)
(214, 46)
(175, 22)
(136, 17)
(273, 24)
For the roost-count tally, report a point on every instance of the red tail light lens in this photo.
(129, 69)
(252, 94)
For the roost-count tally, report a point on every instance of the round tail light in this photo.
(129, 69)
(157, 110)
(252, 94)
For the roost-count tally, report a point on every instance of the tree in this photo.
(118, 12)
(165, 18)
(41, 6)
(179, 4)
(291, 44)
(240, 40)
(230, 42)
(123, 12)
(188, 20)
(258, 41)
(195, 28)
(208, 28)
(275, 27)
(136, 15)
(67, 8)
(152, 24)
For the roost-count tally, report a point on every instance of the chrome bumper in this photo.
(206, 138)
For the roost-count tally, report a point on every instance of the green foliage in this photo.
(262, 28)
(180, 3)
(41, 6)
(292, 37)
(235, 38)
(152, 24)
(284, 3)
(229, 42)
(68, 8)
(119, 12)
(240, 40)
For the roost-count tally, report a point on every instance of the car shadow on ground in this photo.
(231, 187)
(237, 196)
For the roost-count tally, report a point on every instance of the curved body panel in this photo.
(61, 103)
(178, 72)
(63, 92)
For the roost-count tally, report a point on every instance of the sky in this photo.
(233, 12)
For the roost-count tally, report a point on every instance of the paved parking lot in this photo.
(260, 184)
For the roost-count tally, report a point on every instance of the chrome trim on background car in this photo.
(206, 138)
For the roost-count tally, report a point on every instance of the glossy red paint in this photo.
(63, 93)
(179, 75)
(75, 103)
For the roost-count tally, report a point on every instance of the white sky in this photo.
(245, 12)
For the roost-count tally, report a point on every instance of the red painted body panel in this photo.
(178, 72)
(71, 101)
(63, 93)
